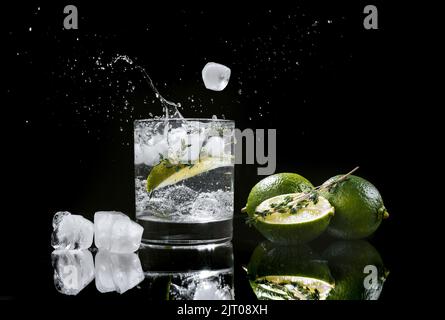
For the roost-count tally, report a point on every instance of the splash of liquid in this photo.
(170, 108)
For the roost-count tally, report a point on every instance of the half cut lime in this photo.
(288, 219)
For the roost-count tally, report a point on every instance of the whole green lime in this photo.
(350, 263)
(275, 185)
(359, 208)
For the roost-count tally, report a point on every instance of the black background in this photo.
(308, 69)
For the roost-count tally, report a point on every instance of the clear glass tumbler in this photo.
(184, 172)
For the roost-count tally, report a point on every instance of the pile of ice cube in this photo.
(117, 266)
(112, 230)
(188, 143)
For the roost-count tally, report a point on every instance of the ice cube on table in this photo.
(215, 76)
(114, 231)
(73, 270)
(71, 231)
(117, 271)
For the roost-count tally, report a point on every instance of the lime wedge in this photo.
(280, 219)
(165, 173)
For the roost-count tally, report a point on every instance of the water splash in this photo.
(170, 108)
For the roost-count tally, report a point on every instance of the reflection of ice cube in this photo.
(117, 272)
(215, 76)
(73, 270)
(211, 290)
(71, 231)
(114, 231)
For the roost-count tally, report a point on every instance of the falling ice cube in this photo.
(117, 271)
(115, 232)
(215, 76)
(73, 270)
(71, 231)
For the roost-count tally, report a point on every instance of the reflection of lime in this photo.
(284, 219)
(288, 273)
(358, 207)
(166, 173)
(274, 185)
(347, 261)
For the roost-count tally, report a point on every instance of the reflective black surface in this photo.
(327, 269)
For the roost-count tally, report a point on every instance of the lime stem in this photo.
(385, 215)
(325, 185)
(342, 178)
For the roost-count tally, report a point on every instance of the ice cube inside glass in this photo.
(184, 172)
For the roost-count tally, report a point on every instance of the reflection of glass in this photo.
(343, 272)
(75, 269)
(184, 171)
(203, 272)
